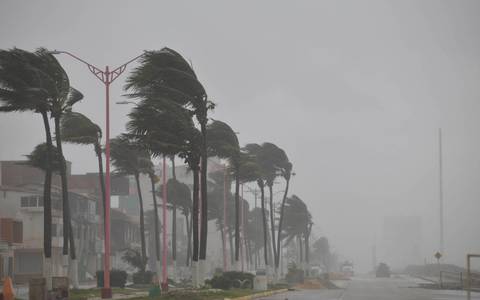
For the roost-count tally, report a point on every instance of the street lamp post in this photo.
(107, 77)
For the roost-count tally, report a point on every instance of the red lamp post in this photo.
(106, 77)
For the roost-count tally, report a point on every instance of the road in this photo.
(364, 288)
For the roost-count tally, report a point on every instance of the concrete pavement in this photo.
(367, 288)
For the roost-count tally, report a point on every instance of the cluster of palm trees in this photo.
(170, 120)
(36, 82)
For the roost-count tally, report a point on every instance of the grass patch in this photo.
(188, 294)
(96, 292)
(202, 294)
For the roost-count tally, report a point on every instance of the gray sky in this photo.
(354, 91)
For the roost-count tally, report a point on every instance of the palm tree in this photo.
(129, 159)
(254, 151)
(166, 128)
(274, 161)
(254, 236)
(178, 198)
(19, 86)
(36, 82)
(298, 224)
(78, 129)
(223, 143)
(61, 97)
(165, 73)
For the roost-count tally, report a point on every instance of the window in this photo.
(31, 201)
(24, 202)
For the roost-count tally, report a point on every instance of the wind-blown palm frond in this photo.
(78, 129)
(38, 158)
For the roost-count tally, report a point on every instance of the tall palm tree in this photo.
(165, 73)
(165, 127)
(178, 198)
(21, 83)
(129, 159)
(256, 152)
(61, 97)
(78, 129)
(273, 159)
(37, 82)
(298, 224)
(223, 142)
(286, 172)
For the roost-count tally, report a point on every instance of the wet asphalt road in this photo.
(365, 288)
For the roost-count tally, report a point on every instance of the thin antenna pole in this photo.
(440, 178)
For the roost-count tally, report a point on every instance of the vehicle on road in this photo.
(383, 271)
(347, 268)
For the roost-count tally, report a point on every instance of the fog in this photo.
(353, 91)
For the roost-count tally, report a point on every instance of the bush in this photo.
(140, 277)
(227, 280)
(118, 278)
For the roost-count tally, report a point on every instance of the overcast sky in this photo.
(354, 91)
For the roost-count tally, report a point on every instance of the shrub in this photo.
(118, 278)
(142, 277)
(234, 279)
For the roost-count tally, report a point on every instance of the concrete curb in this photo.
(258, 295)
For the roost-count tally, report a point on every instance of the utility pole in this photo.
(440, 178)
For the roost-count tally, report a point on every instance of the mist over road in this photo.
(368, 288)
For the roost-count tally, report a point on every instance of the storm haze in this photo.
(353, 91)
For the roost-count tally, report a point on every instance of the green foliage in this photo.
(38, 158)
(222, 142)
(34, 81)
(143, 277)
(178, 194)
(118, 278)
(297, 218)
(79, 129)
(232, 279)
(129, 157)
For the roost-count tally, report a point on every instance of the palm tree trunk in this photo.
(189, 239)
(47, 205)
(300, 245)
(63, 176)
(195, 223)
(237, 218)
(47, 191)
(280, 222)
(98, 152)
(157, 227)
(174, 223)
(264, 219)
(203, 190)
(232, 252)
(174, 174)
(142, 219)
(174, 232)
(272, 224)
